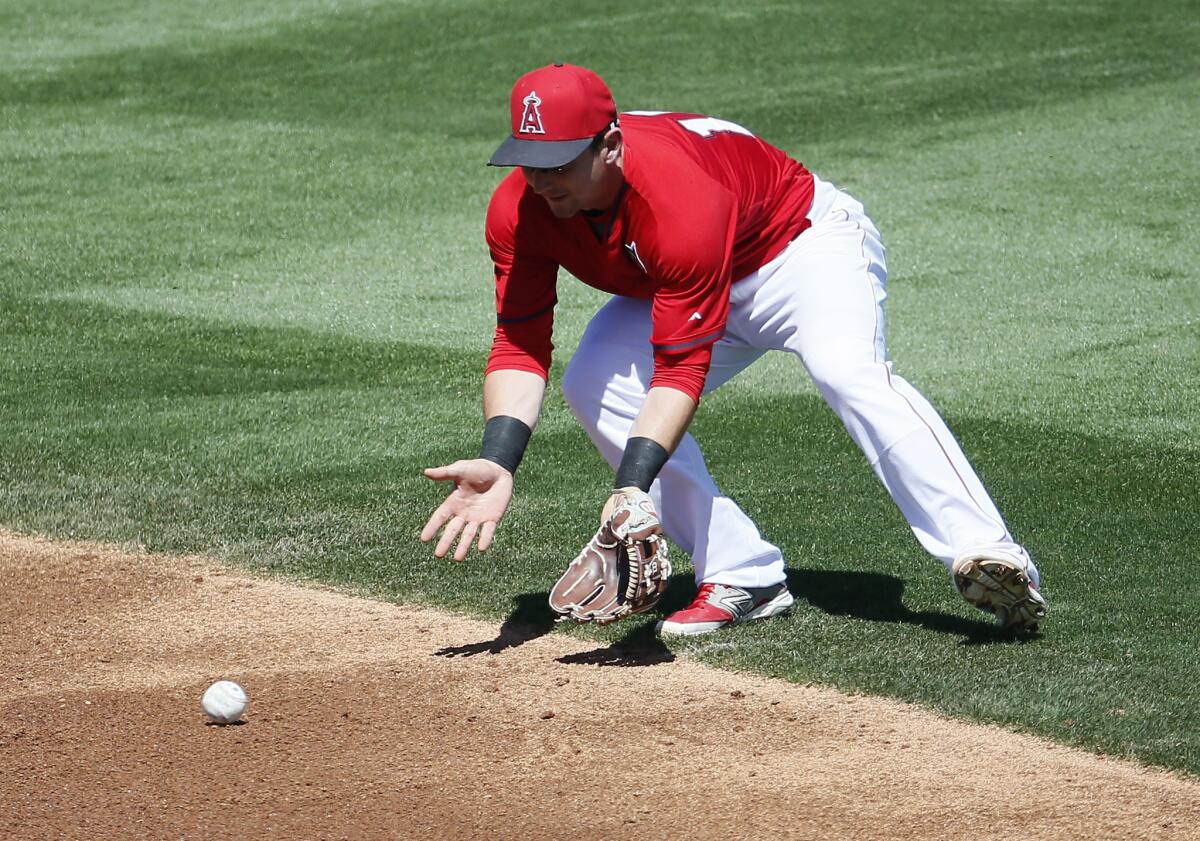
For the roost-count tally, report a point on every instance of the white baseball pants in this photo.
(822, 300)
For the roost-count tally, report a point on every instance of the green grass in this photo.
(244, 298)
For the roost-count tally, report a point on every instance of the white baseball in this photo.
(224, 701)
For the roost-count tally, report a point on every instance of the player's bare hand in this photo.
(482, 491)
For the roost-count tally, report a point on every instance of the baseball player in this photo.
(717, 247)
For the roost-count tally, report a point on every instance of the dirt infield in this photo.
(373, 721)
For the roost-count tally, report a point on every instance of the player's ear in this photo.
(612, 145)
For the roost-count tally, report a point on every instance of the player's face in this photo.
(583, 184)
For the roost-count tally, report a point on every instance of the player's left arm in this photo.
(656, 432)
(665, 416)
(688, 315)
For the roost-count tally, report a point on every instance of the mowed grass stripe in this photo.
(857, 73)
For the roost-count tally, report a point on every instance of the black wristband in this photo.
(504, 441)
(640, 464)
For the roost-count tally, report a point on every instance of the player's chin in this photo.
(564, 207)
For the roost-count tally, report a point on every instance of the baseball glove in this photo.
(622, 570)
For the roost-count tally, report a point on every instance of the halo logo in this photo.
(531, 120)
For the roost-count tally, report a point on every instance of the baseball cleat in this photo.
(718, 605)
(998, 583)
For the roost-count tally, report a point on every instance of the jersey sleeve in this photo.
(693, 261)
(525, 287)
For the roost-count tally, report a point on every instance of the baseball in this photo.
(224, 701)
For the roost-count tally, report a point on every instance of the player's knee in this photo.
(844, 381)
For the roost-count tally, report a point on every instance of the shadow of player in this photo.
(872, 596)
(533, 618)
(530, 619)
(640, 646)
(879, 598)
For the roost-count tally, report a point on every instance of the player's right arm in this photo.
(514, 385)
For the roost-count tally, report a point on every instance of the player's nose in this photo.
(541, 181)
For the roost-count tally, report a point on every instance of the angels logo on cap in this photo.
(555, 112)
(531, 120)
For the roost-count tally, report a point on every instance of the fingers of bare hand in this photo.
(485, 536)
(448, 471)
(436, 520)
(464, 542)
(448, 534)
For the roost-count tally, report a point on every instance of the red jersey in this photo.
(705, 203)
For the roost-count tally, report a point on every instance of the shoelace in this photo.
(702, 595)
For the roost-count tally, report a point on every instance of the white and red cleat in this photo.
(718, 605)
